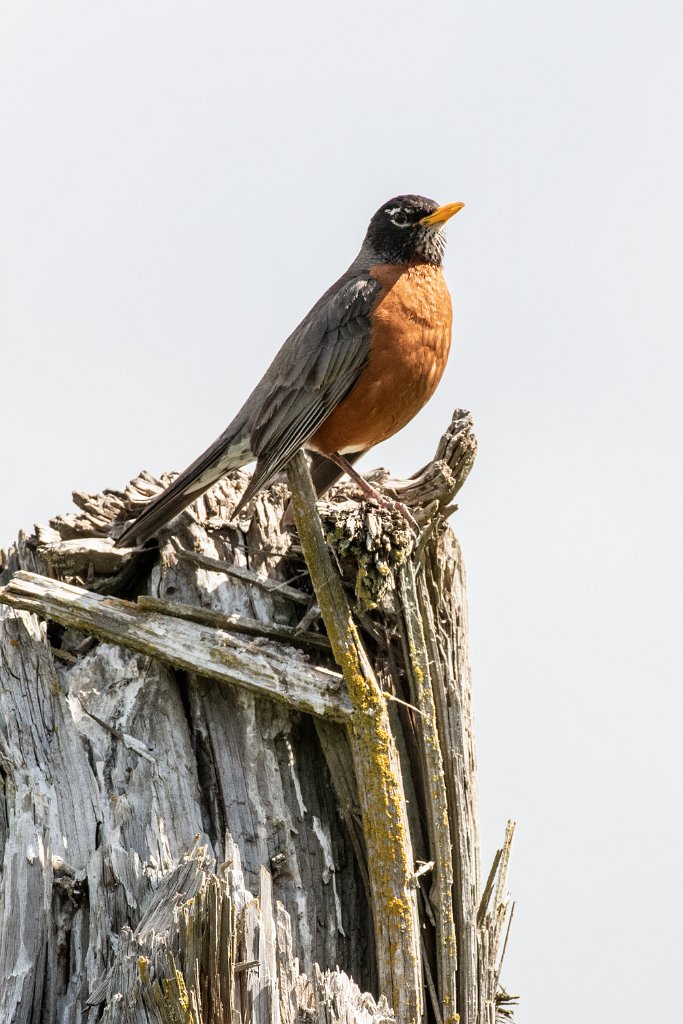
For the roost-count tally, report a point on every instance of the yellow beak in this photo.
(441, 215)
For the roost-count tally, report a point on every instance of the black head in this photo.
(409, 229)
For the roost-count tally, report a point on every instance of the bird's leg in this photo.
(368, 490)
(371, 492)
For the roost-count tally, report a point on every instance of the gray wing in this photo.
(313, 372)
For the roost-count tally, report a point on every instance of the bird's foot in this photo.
(397, 506)
(383, 500)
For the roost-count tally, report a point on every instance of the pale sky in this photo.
(178, 184)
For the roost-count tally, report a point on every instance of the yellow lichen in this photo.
(143, 969)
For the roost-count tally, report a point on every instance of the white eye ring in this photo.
(397, 216)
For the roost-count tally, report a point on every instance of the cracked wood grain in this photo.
(435, 807)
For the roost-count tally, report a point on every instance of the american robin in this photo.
(359, 366)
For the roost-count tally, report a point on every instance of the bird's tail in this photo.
(230, 451)
(325, 473)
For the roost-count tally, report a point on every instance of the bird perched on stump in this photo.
(359, 366)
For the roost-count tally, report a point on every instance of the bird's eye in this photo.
(399, 218)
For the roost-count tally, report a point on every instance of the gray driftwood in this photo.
(204, 817)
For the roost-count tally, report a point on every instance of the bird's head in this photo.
(407, 229)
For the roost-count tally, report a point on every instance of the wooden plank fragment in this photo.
(236, 623)
(187, 645)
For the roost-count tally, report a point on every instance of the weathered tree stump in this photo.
(238, 772)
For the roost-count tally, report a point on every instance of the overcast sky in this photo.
(180, 181)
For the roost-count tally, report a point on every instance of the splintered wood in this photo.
(208, 815)
(208, 951)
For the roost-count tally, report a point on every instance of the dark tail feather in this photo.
(230, 451)
(160, 511)
(325, 473)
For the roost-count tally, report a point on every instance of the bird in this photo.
(360, 365)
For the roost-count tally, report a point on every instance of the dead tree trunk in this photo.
(238, 773)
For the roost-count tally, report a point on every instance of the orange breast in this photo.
(411, 339)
